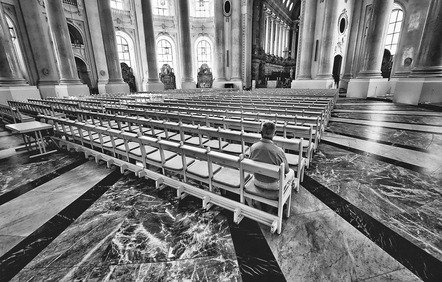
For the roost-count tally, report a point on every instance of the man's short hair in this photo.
(268, 129)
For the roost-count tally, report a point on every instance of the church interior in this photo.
(126, 127)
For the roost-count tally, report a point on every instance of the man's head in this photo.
(268, 129)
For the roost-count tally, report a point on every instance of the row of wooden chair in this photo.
(216, 169)
(11, 114)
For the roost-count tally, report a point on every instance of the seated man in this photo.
(266, 151)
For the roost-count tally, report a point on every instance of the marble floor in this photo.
(369, 210)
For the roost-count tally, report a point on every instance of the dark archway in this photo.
(75, 35)
(387, 62)
(337, 69)
(83, 72)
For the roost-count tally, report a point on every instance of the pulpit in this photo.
(167, 77)
(205, 77)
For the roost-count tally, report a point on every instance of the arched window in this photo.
(161, 7)
(202, 8)
(165, 53)
(394, 29)
(123, 50)
(117, 4)
(203, 53)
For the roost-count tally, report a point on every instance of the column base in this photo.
(368, 87)
(18, 93)
(313, 84)
(188, 85)
(154, 86)
(101, 87)
(117, 88)
(64, 90)
(418, 91)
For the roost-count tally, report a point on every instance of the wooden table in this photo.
(32, 129)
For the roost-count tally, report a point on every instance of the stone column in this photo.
(12, 84)
(281, 38)
(93, 20)
(62, 42)
(219, 74)
(186, 45)
(351, 49)
(236, 43)
(153, 81)
(116, 83)
(429, 57)
(10, 73)
(326, 54)
(372, 58)
(267, 43)
(305, 53)
(277, 36)
(424, 84)
(272, 34)
(369, 81)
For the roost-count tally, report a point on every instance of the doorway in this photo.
(337, 70)
(83, 72)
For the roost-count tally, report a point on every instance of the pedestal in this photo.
(188, 85)
(64, 90)
(313, 84)
(418, 90)
(154, 86)
(18, 93)
(370, 87)
(117, 88)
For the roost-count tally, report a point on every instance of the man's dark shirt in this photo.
(267, 152)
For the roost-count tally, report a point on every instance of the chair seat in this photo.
(196, 141)
(162, 135)
(201, 169)
(149, 149)
(177, 137)
(292, 159)
(250, 188)
(117, 141)
(176, 163)
(214, 144)
(156, 132)
(156, 157)
(94, 136)
(235, 148)
(131, 145)
(229, 177)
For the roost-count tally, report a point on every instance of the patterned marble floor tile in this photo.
(321, 246)
(425, 160)
(403, 126)
(391, 194)
(134, 227)
(431, 143)
(19, 169)
(407, 117)
(402, 275)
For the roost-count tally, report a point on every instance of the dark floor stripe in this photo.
(380, 158)
(411, 256)
(255, 258)
(380, 141)
(18, 257)
(20, 190)
(388, 126)
(335, 115)
(436, 108)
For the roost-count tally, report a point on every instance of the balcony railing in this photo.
(71, 2)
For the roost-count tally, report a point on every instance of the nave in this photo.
(368, 203)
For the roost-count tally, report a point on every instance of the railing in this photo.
(71, 2)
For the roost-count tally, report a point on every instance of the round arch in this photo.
(75, 34)
(196, 62)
